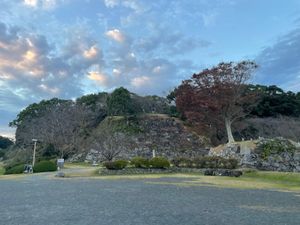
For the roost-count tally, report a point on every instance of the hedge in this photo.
(15, 169)
(44, 166)
(116, 165)
(214, 162)
(140, 162)
(159, 163)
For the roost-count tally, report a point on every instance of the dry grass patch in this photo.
(148, 176)
(255, 180)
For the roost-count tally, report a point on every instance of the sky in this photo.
(68, 48)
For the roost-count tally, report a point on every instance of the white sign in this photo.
(60, 160)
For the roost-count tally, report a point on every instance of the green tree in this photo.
(273, 102)
(5, 142)
(120, 103)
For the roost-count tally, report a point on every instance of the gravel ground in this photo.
(43, 200)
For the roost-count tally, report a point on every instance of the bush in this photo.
(233, 163)
(116, 165)
(215, 162)
(200, 162)
(206, 162)
(182, 162)
(276, 146)
(17, 169)
(159, 163)
(140, 162)
(44, 166)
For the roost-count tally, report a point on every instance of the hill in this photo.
(120, 124)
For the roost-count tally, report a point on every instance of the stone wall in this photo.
(167, 136)
(250, 154)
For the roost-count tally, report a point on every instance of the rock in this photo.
(222, 172)
(297, 169)
(250, 154)
(169, 137)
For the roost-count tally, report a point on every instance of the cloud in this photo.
(91, 53)
(98, 77)
(115, 35)
(209, 18)
(130, 4)
(111, 3)
(31, 3)
(32, 69)
(170, 42)
(140, 81)
(42, 4)
(280, 62)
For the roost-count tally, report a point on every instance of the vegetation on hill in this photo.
(212, 102)
(274, 102)
(91, 99)
(36, 110)
(120, 103)
(5, 142)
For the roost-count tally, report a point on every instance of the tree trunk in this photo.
(228, 130)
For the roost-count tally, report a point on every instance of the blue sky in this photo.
(67, 48)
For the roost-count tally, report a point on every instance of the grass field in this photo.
(282, 181)
(279, 181)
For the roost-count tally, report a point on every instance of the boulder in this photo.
(223, 172)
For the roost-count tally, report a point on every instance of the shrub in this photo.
(44, 166)
(275, 146)
(17, 169)
(182, 162)
(200, 162)
(140, 162)
(159, 163)
(215, 162)
(233, 163)
(116, 165)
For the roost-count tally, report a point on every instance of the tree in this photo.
(120, 103)
(217, 94)
(109, 144)
(5, 142)
(274, 102)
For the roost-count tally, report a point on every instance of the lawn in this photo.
(280, 181)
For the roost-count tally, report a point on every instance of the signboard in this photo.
(60, 163)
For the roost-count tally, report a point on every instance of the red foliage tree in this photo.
(216, 94)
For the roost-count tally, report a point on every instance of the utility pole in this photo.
(34, 150)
